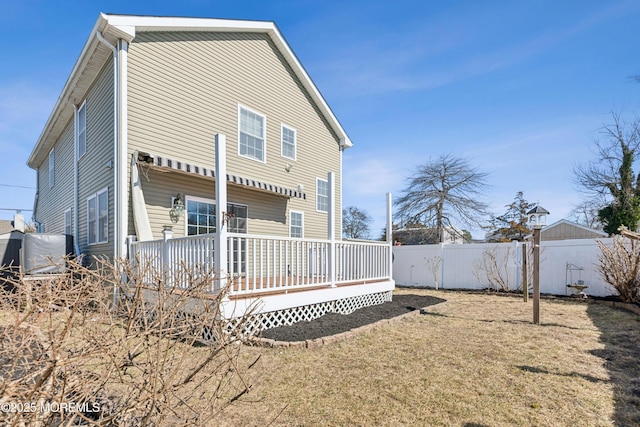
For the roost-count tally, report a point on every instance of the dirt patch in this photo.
(334, 323)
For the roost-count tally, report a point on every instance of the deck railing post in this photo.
(167, 234)
(131, 254)
(331, 256)
(390, 235)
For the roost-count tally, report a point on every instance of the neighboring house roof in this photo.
(565, 229)
(6, 226)
(114, 27)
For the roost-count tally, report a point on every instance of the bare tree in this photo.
(442, 191)
(609, 182)
(355, 223)
(586, 213)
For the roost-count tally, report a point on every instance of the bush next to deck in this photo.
(155, 355)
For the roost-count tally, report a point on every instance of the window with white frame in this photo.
(82, 129)
(238, 219)
(252, 134)
(52, 167)
(201, 217)
(296, 224)
(322, 195)
(288, 136)
(68, 225)
(98, 217)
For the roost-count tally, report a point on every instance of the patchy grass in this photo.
(475, 360)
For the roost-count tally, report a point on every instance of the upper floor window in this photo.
(322, 195)
(288, 142)
(296, 227)
(52, 166)
(252, 134)
(82, 129)
(98, 217)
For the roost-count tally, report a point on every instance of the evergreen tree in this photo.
(512, 225)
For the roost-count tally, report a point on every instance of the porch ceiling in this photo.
(162, 163)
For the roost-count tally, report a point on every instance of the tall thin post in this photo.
(332, 230)
(390, 234)
(220, 249)
(536, 276)
(525, 273)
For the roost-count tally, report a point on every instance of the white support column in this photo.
(220, 250)
(332, 229)
(390, 233)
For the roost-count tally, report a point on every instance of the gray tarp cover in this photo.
(44, 253)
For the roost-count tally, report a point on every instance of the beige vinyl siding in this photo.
(186, 87)
(94, 172)
(54, 201)
(266, 213)
(567, 231)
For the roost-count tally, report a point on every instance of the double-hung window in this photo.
(52, 167)
(288, 136)
(82, 129)
(98, 217)
(252, 134)
(322, 195)
(296, 224)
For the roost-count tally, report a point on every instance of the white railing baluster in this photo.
(266, 262)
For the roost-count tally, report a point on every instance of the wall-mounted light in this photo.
(177, 208)
(288, 167)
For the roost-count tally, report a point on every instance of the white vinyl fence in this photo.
(563, 262)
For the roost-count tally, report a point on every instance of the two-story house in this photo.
(130, 148)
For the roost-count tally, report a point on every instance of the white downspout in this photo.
(123, 212)
(76, 201)
(116, 154)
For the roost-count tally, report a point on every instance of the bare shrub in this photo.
(494, 267)
(620, 267)
(163, 355)
(433, 264)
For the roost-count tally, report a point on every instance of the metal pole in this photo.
(536, 276)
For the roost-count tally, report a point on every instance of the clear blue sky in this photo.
(520, 88)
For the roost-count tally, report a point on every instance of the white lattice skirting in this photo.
(289, 316)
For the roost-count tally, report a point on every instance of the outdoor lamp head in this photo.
(177, 209)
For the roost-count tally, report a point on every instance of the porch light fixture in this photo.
(288, 167)
(177, 209)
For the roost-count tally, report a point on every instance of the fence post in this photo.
(525, 273)
(441, 266)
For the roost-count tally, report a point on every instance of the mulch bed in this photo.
(333, 323)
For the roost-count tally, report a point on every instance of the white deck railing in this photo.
(266, 263)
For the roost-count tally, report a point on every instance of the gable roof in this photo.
(114, 27)
(576, 225)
